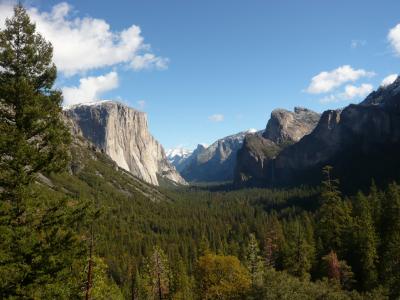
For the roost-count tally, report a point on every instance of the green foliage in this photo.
(33, 138)
(280, 285)
(254, 262)
(104, 287)
(365, 241)
(333, 216)
(221, 277)
(157, 275)
(390, 247)
(189, 223)
(38, 241)
(299, 251)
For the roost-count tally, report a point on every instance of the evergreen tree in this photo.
(103, 287)
(33, 137)
(364, 241)
(157, 276)
(274, 243)
(390, 252)
(333, 216)
(254, 262)
(38, 244)
(182, 285)
(299, 253)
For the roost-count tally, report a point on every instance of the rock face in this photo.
(215, 163)
(289, 127)
(122, 133)
(258, 152)
(361, 142)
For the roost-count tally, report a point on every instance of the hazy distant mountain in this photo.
(178, 156)
(122, 133)
(213, 163)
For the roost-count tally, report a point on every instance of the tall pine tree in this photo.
(390, 248)
(37, 243)
(333, 216)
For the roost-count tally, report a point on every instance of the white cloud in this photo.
(82, 44)
(90, 89)
(350, 92)
(327, 81)
(357, 43)
(216, 118)
(394, 38)
(389, 80)
(148, 61)
(141, 104)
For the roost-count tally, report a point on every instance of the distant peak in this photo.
(252, 130)
(90, 103)
(299, 110)
(99, 103)
(179, 152)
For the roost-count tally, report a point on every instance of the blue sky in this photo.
(207, 69)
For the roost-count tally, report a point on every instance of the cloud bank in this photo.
(83, 44)
(90, 89)
(394, 38)
(326, 81)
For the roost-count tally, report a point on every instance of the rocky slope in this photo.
(215, 163)
(122, 133)
(361, 142)
(284, 128)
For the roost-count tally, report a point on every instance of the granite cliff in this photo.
(284, 128)
(122, 133)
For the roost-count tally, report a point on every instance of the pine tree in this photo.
(390, 248)
(33, 137)
(157, 275)
(38, 244)
(333, 216)
(299, 253)
(254, 262)
(274, 243)
(182, 282)
(364, 239)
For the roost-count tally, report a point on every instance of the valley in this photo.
(92, 206)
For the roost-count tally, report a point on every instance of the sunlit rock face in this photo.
(122, 133)
(284, 128)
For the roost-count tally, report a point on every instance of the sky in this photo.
(206, 69)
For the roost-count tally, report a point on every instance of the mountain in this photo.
(284, 128)
(361, 142)
(122, 133)
(215, 163)
(177, 157)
